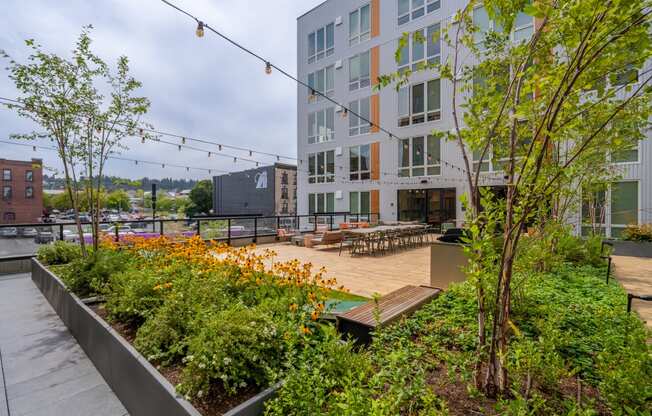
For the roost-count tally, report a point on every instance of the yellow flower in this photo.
(294, 307)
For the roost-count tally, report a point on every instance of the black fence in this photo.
(220, 228)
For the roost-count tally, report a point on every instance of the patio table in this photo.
(385, 237)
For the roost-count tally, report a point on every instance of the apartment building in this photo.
(22, 191)
(346, 165)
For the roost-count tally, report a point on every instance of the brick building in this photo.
(21, 184)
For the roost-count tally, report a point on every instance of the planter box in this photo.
(632, 248)
(139, 386)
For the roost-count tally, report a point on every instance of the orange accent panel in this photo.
(375, 113)
(375, 18)
(375, 65)
(375, 161)
(375, 201)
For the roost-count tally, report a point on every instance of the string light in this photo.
(34, 148)
(209, 154)
(345, 112)
(142, 139)
(250, 153)
(183, 140)
(268, 68)
(135, 162)
(179, 147)
(187, 169)
(200, 30)
(235, 160)
(219, 147)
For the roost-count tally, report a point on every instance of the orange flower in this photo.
(294, 307)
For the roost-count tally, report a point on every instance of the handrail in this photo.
(631, 296)
(16, 257)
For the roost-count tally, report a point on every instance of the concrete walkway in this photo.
(44, 370)
(635, 274)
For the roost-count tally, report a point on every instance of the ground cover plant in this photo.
(574, 350)
(224, 321)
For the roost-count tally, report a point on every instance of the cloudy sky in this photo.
(201, 88)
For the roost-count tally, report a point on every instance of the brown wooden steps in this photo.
(360, 321)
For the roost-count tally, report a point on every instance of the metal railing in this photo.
(219, 228)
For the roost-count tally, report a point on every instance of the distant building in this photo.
(270, 190)
(22, 191)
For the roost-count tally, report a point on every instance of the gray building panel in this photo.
(250, 192)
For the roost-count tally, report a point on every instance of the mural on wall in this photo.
(261, 180)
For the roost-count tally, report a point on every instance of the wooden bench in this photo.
(360, 322)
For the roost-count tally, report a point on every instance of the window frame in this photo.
(7, 196)
(429, 116)
(493, 27)
(312, 83)
(412, 170)
(359, 174)
(29, 192)
(6, 174)
(358, 208)
(360, 127)
(314, 133)
(360, 37)
(314, 175)
(29, 176)
(357, 84)
(427, 58)
(326, 198)
(428, 6)
(618, 226)
(628, 162)
(326, 51)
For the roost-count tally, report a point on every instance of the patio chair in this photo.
(349, 240)
(286, 234)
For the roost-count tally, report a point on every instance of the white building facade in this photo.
(346, 165)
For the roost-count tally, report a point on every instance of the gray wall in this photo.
(237, 194)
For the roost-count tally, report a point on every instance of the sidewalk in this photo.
(635, 274)
(45, 371)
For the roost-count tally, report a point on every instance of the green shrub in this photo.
(60, 252)
(638, 232)
(134, 294)
(235, 346)
(86, 276)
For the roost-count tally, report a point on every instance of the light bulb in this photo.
(256, 164)
(268, 68)
(163, 165)
(209, 154)
(179, 147)
(250, 153)
(219, 147)
(345, 113)
(235, 160)
(209, 171)
(278, 158)
(34, 148)
(200, 30)
(135, 162)
(183, 140)
(142, 140)
(187, 169)
(141, 131)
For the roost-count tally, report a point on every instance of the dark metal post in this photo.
(228, 231)
(278, 223)
(198, 227)
(154, 207)
(315, 222)
(61, 232)
(331, 223)
(117, 232)
(255, 229)
(161, 225)
(629, 302)
(608, 269)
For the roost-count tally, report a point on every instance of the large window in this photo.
(422, 47)
(359, 66)
(594, 211)
(624, 206)
(321, 167)
(419, 103)
(321, 43)
(360, 162)
(6, 192)
(29, 176)
(523, 26)
(6, 174)
(323, 81)
(29, 192)
(414, 9)
(321, 125)
(629, 75)
(628, 154)
(321, 203)
(356, 124)
(359, 202)
(419, 156)
(360, 25)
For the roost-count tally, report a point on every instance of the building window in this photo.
(6, 193)
(420, 48)
(29, 176)
(414, 9)
(629, 75)
(9, 216)
(284, 193)
(627, 155)
(321, 167)
(419, 156)
(360, 25)
(419, 103)
(359, 71)
(357, 125)
(321, 126)
(323, 81)
(284, 207)
(6, 174)
(359, 202)
(624, 206)
(321, 43)
(29, 192)
(321, 203)
(594, 211)
(523, 26)
(284, 178)
(360, 162)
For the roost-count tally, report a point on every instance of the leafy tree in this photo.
(548, 111)
(65, 98)
(201, 198)
(118, 199)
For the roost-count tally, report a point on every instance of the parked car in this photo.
(8, 232)
(27, 232)
(44, 236)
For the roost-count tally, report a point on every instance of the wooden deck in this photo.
(363, 275)
(360, 321)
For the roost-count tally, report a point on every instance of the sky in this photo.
(204, 88)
